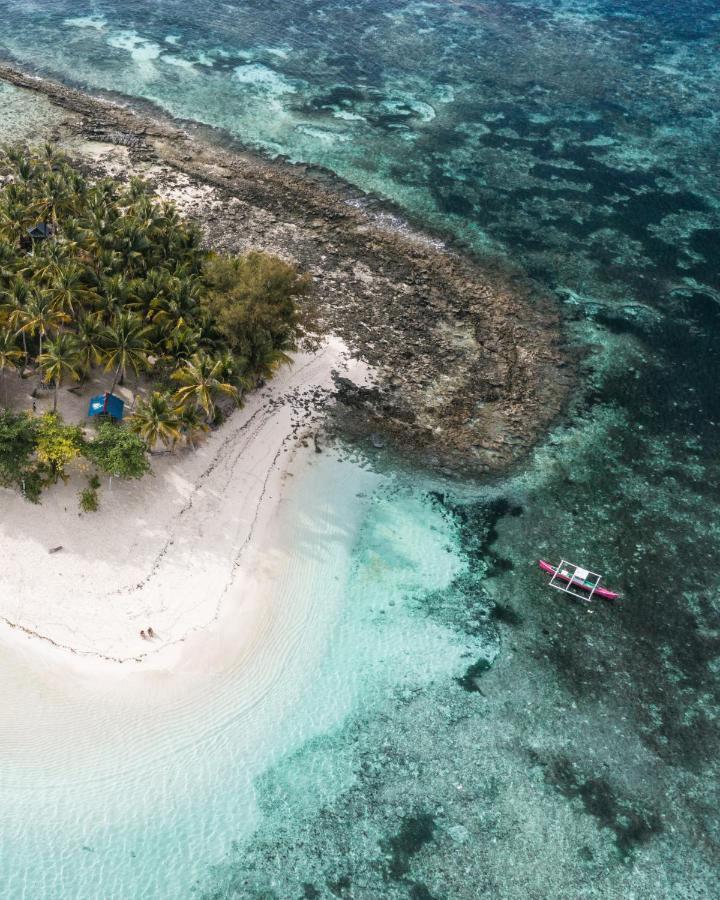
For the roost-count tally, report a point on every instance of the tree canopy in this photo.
(18, 440)
(118, 452)
(103, 275)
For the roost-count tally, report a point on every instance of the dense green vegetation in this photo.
(102, 275)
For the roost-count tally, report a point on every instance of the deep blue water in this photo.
(580, 140)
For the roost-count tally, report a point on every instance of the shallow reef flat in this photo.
(24, 116)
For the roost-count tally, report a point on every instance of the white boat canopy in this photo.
(568, 578)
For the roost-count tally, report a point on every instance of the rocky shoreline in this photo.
(471, 368)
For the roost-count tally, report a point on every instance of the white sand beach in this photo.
(179, 551)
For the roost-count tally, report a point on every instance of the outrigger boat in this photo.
(575, 580)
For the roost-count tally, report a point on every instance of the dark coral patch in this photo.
(707, 242)
(469, 681)
(503, 612)
(415, 832)
(340, 886)
(632, 827)
(419, 891)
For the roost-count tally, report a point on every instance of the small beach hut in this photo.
(107, 405)
(40, 232)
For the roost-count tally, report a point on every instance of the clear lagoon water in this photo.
(450, 730)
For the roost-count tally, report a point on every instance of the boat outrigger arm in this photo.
(577, 581)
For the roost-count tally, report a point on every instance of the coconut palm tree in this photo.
(147, 290)
(105, 261)
(191, 423)
(201, 379)
(126, 346)
(45, 259)
(155, 419)
(55, 197)
(15, 219)
(114, 295)
(68, 289)
(209, 337)
(8, 258)
(10, 356)
(40, 317)
(134, 244)
(91, 342)
(52, 155)
(233, 369)
(16, 299)
(178, 305)
(180, 344)
(97, 237)
(60, 359)
(137, 189)
(262, 353)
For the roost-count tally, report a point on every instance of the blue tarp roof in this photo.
(106, 404)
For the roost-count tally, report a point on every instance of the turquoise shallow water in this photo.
(579, 140)
(139, 793)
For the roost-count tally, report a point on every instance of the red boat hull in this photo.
(599, 591)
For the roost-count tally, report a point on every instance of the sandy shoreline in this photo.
(174, 551)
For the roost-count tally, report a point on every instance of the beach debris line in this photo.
(576, 581)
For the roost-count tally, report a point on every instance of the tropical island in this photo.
(100, 276)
